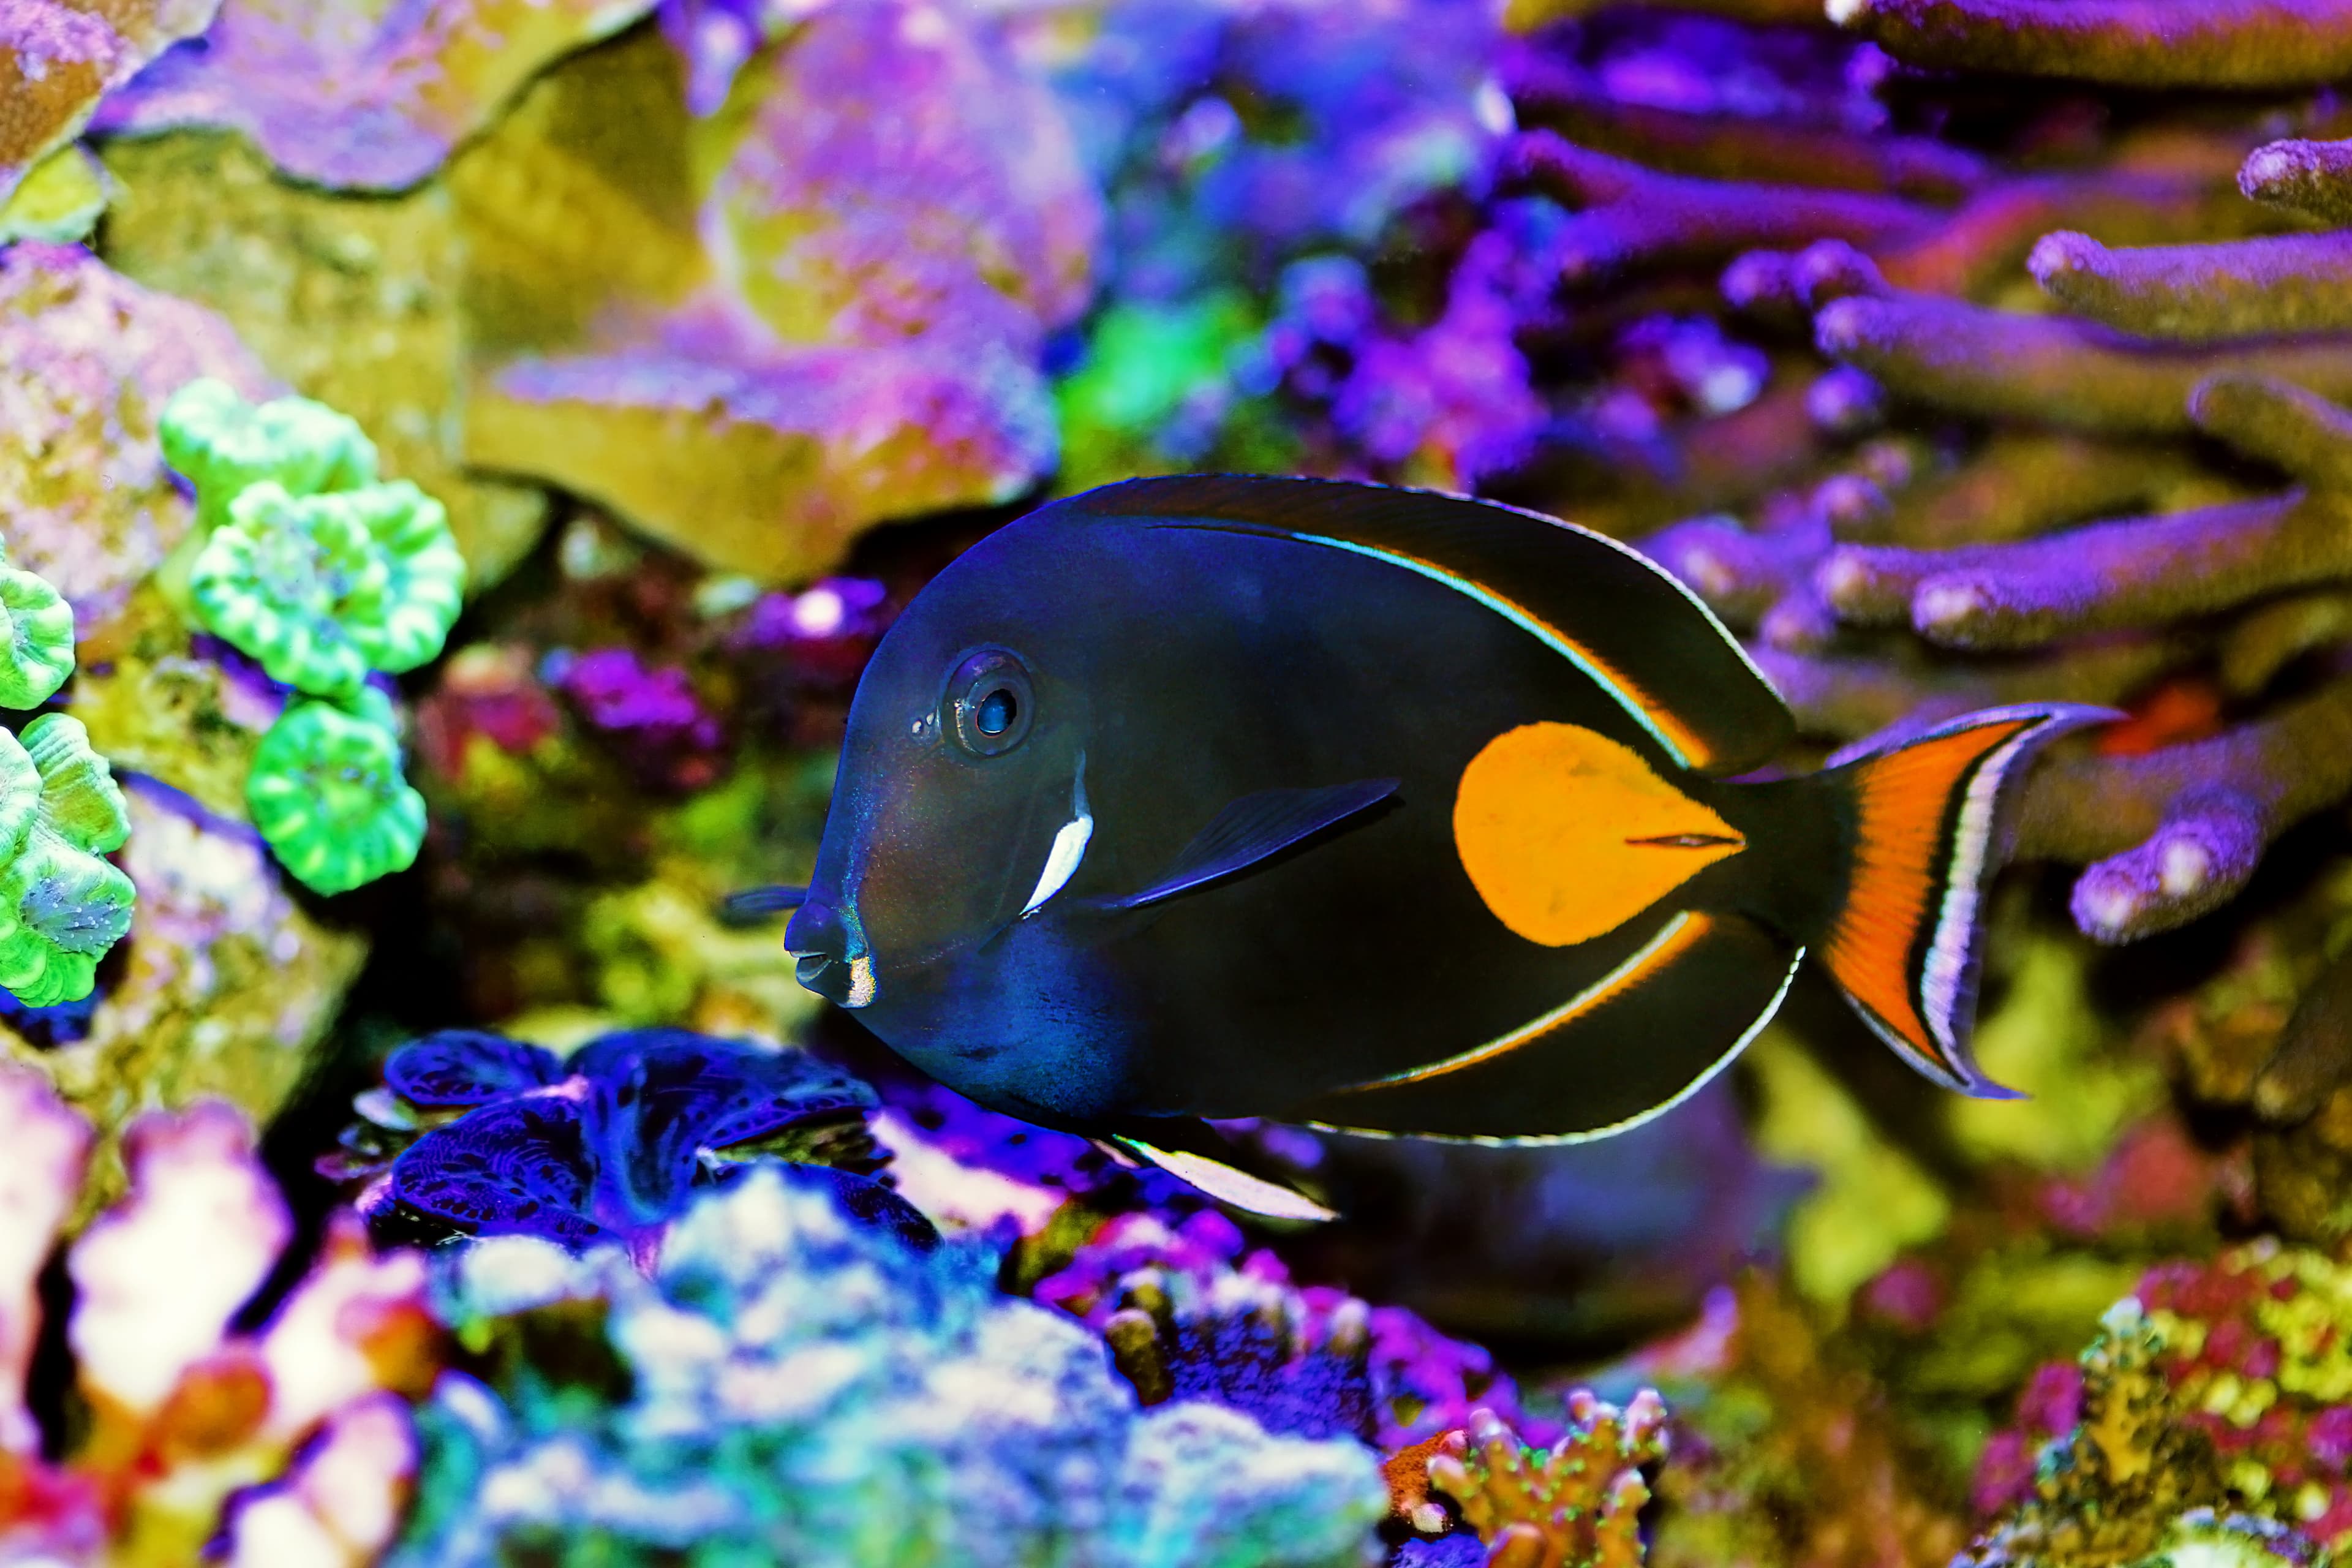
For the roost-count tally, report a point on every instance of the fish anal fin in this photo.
(1672, 1012)
(1567, 834)
(1252, 830)
(1620, 617)
(1903, 942)
(1227, 1183)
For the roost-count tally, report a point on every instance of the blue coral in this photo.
(805, 1389)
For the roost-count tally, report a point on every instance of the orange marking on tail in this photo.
(1902, 799)
(1566, 835)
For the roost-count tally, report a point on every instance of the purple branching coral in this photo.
(1188, 1315)
(2183, 43)
(1968, 561)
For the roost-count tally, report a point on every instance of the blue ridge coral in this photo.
(609, 1142)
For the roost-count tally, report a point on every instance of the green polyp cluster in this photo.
(222, 443)
(290, 579)
(308, 563)
(61, 905)
(425, 576)
(311, 565)
(326, 792)
(38, 653)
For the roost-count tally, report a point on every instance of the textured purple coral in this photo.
(653, 713)
(1415, 1382)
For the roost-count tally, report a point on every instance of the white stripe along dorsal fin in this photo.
(1643, 637)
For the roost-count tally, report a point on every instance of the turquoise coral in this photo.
(424, 574)
(322, 573)
(61, 906)
(804, 1390)
(326, 792)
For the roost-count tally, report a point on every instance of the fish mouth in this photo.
(829, 957)
(844, 982)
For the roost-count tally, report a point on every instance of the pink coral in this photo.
(357, 96)
(183, 1408)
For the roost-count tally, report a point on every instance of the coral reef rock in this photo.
(357, 97)
(90, 359)
(843, 326)
(224, 986)
(354, 303)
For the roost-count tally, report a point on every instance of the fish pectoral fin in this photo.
(1253, 830)
(1228, 1184)
(755, 906)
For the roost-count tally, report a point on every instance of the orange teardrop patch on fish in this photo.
(1567, 834)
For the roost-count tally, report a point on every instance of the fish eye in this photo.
(990, 702)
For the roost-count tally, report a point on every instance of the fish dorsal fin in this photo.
(1619, 617)
(753, 906)
(1252, 830)
(1227, 1183)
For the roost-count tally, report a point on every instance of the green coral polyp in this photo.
(426, 574)
(38, 649)
(322, 573)
(61, 906)
(225, 445)
(79, 799)
(326, 792)
(286, 579)
(60, 910)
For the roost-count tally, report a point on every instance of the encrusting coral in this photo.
(345, 96)
(57, 60)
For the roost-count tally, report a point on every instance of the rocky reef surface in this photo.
(458, 458)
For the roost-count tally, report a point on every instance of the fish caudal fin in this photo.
(1927, 818)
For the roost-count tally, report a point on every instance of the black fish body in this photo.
(1377, 809)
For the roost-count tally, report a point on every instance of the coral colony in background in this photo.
(456, 460)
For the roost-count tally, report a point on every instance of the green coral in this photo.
(61, 906)
(225, 445)
(322, 573)
(288, 579)
(424, 574)
(326, 792)
(39, 650)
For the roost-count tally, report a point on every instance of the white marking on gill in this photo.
(1069, 845)
(861, 982)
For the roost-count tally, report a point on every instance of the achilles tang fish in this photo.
(1369, 808)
